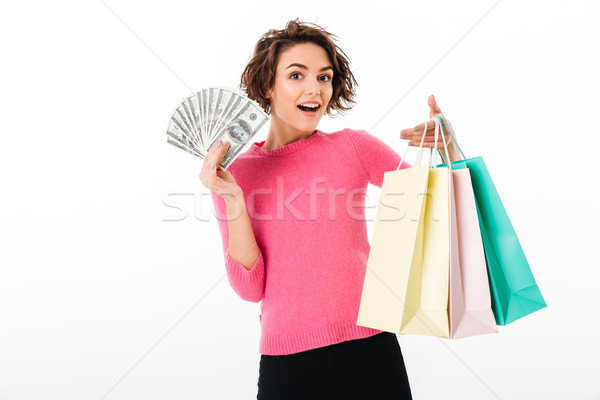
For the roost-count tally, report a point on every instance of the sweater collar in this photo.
(256, 147)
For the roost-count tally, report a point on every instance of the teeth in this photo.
(311, 105)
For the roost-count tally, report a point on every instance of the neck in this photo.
(281, 134)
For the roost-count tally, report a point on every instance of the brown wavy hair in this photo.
(258, 77)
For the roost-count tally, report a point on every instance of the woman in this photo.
(291, 215)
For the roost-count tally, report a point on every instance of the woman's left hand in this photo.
(415, 134)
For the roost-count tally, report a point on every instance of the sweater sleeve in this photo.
(375, 155)
(248, 284)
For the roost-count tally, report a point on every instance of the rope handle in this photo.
(420, 155)
(438, 126)
(432, 154)
(441, 118)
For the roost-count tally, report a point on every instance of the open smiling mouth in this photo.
(309, 109)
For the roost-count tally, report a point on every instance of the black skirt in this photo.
(369, 368)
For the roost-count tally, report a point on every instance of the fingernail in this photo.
(219, 144)
(213, 166)
(225, 142)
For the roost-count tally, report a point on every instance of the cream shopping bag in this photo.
(406, 283)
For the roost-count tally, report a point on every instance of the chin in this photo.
(299, 122)
(308, 126)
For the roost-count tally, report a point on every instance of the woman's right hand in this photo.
(217, 179)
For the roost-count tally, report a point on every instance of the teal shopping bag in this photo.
(514, 291)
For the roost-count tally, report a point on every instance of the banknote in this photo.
(212, 114)
(240, 126)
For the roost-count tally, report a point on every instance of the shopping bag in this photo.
(426, 311)
(470, 301)
(406, 282)
(514, 291)
(469, 308)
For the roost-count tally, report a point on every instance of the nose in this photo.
(313, 89)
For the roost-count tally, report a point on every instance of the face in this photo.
(238, 132)
(303, 78)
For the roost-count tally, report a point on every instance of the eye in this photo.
(327, 78)
(295, 74)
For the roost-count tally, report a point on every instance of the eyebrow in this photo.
(301, 66)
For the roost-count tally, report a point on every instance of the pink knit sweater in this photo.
(306, 205)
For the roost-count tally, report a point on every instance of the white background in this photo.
(102, 297)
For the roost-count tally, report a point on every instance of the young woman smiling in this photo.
(291, 216)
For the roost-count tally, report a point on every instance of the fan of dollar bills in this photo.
(214, 114)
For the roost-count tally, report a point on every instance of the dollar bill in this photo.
(175, 133)
(179, 128)
(223, 108)
(239, 129)
(211, 117)
(203, 97)
(188, 109)
(213, 114)
(183, 147)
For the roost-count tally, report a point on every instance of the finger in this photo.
(430, 126)
(409, 130)
(223, 150)
(430, 137)
(406, 133)
(213, 158)
(418, 136)
(219, 152)
(429, 144)
(209, 158)
(434, 108)
(413, 132)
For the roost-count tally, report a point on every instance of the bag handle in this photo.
(437, 129)
(443, 121)
(432, 153)
(420, 155)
